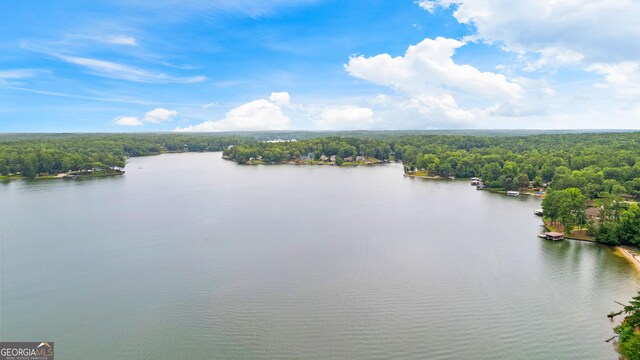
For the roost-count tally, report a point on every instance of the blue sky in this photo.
(313, 64)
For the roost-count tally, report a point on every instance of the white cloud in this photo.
(105, 98)
(555, 57)
(623, 78)
(280, 98)
(124, 72)
(345, 117)
(97, 34)
(581, 36)
(259, 114)
(427, 5)
(12, 78)
(441, 106)
(269, 114)
(159, 115)
(127, 121)
(120, 40)
(154, 116)
(618, 74)
(428, 67)
(434, 87)
(598, 30)
(17, 74)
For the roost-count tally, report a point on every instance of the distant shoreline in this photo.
(424, 176)
(57, 176)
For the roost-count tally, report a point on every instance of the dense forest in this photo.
(35, 155)
(598, 164)
(628, 334)
(595, 163)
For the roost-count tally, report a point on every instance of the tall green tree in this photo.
(629, 330)
(566, 206)
(629, 228)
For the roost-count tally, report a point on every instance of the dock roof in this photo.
(553, 233)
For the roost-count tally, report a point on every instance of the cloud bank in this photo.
(261, 114)
(597, 30)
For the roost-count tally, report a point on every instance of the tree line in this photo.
(628, 334)
(43, 154)
(598, 164)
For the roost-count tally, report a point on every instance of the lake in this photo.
(188, 256)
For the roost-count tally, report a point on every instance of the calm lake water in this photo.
(189, 256)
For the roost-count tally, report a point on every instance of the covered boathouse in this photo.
(552, 235)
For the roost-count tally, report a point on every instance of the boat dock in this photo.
(552, 235)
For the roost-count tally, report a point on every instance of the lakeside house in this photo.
(360, 158)
(348, 158)
(332, 158)
(593, 213)
(324, 157)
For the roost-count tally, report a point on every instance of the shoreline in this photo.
(313, 163)
(427, 177)
(59, 176)
(630, 255)
(423, 175)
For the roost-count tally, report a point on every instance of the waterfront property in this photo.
(593, 213)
